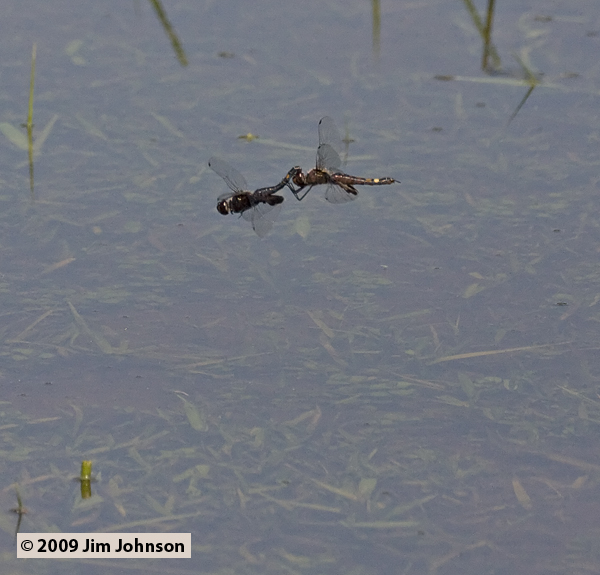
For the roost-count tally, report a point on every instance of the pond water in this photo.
(406, 383)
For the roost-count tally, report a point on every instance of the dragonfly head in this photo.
(223, 207)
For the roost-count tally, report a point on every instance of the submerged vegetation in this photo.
(183, 466)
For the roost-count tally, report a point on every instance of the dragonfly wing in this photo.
(262, 217)
(328, 158)
(329, 134)
(224, 196)
(336, 194)
(232, 177)
(248, 214)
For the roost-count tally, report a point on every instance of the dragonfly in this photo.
(340, 186)
(260, 207)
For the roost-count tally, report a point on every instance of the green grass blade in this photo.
(31, 83)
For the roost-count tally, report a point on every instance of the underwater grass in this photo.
(232, 481)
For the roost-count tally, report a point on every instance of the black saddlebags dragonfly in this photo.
(340, 186)
(260, 207)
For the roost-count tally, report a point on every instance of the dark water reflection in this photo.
(407, 383)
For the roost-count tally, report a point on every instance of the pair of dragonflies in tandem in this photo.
(261, 207)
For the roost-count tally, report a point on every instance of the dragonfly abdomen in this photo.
(357, 181)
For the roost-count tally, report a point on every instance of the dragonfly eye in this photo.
(223, 207)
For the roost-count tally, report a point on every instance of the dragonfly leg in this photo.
(303, 195)
(296, 191)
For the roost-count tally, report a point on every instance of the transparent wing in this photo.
(329, 134)
(337, 195)
(224, 196)
(257, 210)
(262, 217)
(328, 158)
(232, 177)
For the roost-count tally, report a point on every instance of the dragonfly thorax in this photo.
(235, 204)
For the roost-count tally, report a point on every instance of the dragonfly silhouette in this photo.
(340, 186)
(260, 207)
